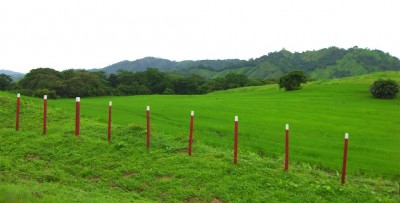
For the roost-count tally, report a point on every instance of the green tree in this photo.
(113, 80)
(216, 84)
(43, 78)
(157, 82)
(384, 89)
(5, 82)
(234, 80)
(84, 83)
(40, 78)
(169, 91)
(292, 80)
(189, 85)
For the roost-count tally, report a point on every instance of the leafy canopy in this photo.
(5, 82)
(72, 83)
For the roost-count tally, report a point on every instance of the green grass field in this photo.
(319, 115)
(59, 167)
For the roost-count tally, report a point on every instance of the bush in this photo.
(292, 80)
(255, 83)
(384, 89)
(169, 91)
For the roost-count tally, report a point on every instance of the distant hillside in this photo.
(14, 75)
(138, 65)
(169, 66)
(326, 63)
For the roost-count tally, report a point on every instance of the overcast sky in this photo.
(64, 34)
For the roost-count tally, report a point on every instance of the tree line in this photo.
(72, 83)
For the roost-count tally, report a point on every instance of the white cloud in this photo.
(65, 34)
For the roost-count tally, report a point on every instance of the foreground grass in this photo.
(59, 167)
(318, 115)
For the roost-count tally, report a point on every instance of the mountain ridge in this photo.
(14, 75)
(325, 63)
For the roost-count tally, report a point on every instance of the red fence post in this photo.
(287, 148)
(235, 147)
(77, 116)
(346, 143)
(109, 121)
(17, 112)
(191, 132)
(44, 114)
(148, 127)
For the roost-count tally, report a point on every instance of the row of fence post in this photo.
(190, 141)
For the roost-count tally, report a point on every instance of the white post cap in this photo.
(110, 103)
(18, 95)
(148, 108)
(192, 113)
(236, 118)
(45, 97)
(78, 99)
(346, 136)
(287, 126)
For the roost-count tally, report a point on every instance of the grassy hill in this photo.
(61, 167)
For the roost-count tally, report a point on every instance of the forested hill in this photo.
(138, 65)
(326, 63)
(169, 66)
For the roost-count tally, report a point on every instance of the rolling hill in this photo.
(168, 65)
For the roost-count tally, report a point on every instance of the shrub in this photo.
(169, 91)
(384, 89)
(292, 80)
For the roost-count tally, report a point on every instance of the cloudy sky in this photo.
(64, 34)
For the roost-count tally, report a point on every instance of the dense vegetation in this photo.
(6, 82)
(326, 63)
(292, 80)
(72, 83)
(385, 89)
(204, 76)
(59, 167)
